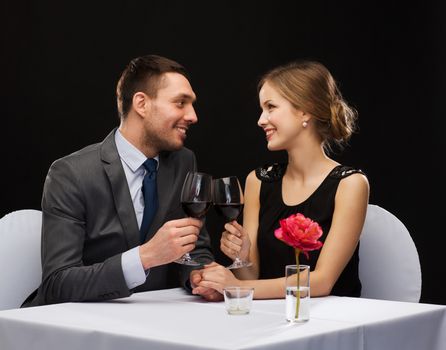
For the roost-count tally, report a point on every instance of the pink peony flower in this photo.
(300, 233)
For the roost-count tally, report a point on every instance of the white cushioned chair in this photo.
(389, 265)
(20, 265)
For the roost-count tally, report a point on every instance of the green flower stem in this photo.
(298, 284)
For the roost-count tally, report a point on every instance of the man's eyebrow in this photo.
(185, 97)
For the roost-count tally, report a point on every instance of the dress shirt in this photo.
(132, 162)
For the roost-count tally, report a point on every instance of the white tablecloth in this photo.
(172, 319)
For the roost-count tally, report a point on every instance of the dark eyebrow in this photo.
(185, 97)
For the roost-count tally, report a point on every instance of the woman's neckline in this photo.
(311, 194)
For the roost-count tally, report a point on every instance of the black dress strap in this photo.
(342, 171)
(271, 173)
(274, 172)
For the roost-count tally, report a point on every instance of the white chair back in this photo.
(20, 264)
(389, 265)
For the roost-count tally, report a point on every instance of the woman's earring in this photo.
(304, 124)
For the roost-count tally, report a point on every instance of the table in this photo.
(173, 319)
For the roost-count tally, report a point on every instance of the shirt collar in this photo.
(129, 154)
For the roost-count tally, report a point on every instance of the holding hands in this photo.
(210, 281)
(209, 294)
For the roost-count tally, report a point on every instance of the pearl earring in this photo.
(304, 124)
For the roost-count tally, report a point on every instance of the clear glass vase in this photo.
(297, 293)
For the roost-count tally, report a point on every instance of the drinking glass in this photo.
(196, 199)
(228, 202)
(238, 300)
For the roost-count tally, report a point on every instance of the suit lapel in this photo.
(121, 194)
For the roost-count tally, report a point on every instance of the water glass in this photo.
(238, 300)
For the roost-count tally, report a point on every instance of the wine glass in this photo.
(196, 199)
(228, 202)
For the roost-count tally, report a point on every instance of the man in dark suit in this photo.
(94, 200)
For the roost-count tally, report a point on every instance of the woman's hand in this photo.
(216, 277)
(235, 241)
(208, 294)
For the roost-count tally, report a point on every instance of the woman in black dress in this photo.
(303, 113)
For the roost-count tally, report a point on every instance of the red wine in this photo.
(230, 211)
(196, 209)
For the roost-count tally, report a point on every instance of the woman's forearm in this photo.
(247, 273)
(266, 289)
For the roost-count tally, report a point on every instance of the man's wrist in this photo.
(145, 256)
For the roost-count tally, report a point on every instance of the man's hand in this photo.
(209, 294)
(216, 277)
(172, 240)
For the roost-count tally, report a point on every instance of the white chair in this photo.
(20, 265)
(389, 265)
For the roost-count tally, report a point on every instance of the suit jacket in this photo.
(89, 221)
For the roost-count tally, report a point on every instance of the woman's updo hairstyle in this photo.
(309, 87)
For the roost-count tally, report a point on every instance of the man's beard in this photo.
(159, 142)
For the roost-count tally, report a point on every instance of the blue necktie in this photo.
(150, 194)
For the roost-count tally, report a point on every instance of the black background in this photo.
(61, 61)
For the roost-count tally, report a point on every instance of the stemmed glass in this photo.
(196, 199)
(228, 202)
